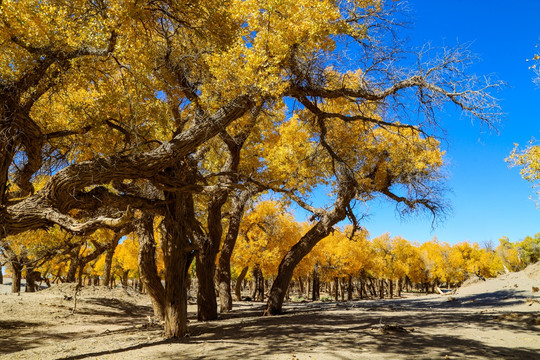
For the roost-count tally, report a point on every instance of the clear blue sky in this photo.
(489, 200)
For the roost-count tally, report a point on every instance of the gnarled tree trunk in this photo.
(148, 267)
(206, 291)
(319, 231)
(223, 274)
(31, 277)
(16, 275)
(316, 284)
(239, 281)
(109, 254)
(206, 258)
(178, 253)
(74, 263)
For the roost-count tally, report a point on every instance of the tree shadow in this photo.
(18, 335)
(119, 308)
(340, 333)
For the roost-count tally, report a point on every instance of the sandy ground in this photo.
(493, 319)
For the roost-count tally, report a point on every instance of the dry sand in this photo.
(493, 319)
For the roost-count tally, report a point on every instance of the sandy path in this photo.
(486, 320)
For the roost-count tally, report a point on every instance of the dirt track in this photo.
(495, 319)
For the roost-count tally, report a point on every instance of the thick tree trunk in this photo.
(372, 288)
(261, 284)
(349, 288)
(336, 288)
(82, 265)
(223, 274)
(71, 276)
(319, 231)
(258, 284)
(31, 277)
(147, 265)
(208, 248)
(206, 291)
(381, 288)
(239, 281)
(16, 275)
(109, 254)
(316, 284)
(391, 288)
(178, 253)
(1, 276)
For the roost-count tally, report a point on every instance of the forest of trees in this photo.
(137, 135)
(357, 267)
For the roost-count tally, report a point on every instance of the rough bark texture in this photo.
(208, 248)
(16, 275)
(258, 284)
(318, 232)
(109, 254)
(316, 284)
(224, 265)
(31, 277)
(50, 205)
(71, 276)
(178, 254)
(148, 267)
(206, 291)
(239, 281)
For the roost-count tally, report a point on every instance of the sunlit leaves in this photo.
(528, 160)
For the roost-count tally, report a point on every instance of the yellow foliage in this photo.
(528, 160)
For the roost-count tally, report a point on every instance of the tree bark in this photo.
(258, 284)
(349, 288)
(1, 275)
(238, 287)
(16, 271)
(178, 253)
(206, 291)
(31, 278)
(316, 284)
(319, 231)
(109, 254)
(336, 288)
(148, 267)
(50, 205)
(71, 276)
(208, 248)
(224, 265)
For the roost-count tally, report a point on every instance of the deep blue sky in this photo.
(489, 200)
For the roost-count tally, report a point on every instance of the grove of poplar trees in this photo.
(164, 119)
